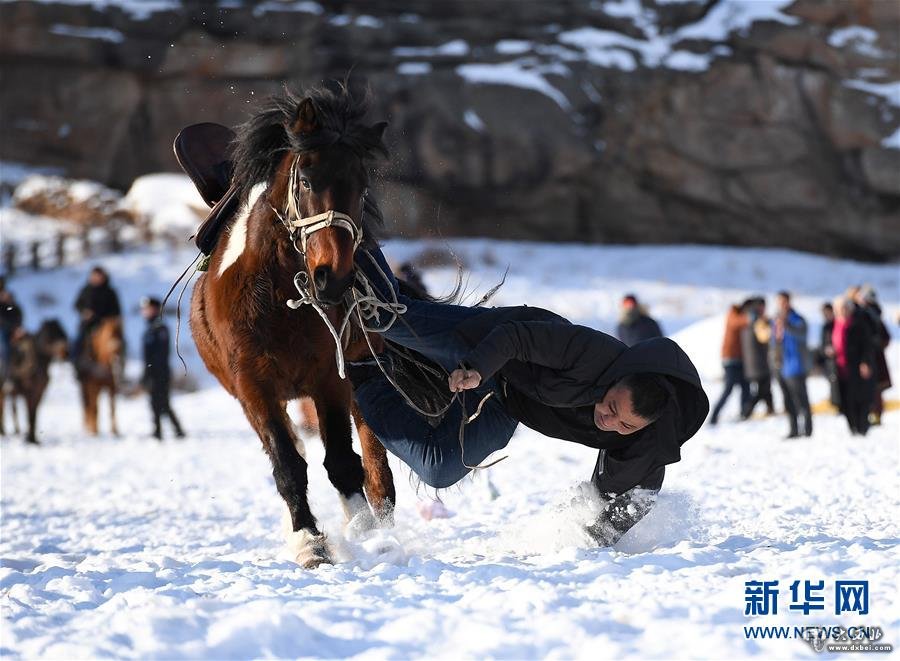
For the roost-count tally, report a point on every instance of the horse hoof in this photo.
(358, 517)
(309, 550)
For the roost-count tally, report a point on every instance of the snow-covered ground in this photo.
(131, 548)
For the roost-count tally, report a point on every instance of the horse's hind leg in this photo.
(31, 404)
(379, 481)
(2, 411)
(344, 466)
(309, 421)
(112, 410)
(89, 396)
(270, 421)
(14, 410)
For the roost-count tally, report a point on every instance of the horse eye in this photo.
(305, 183)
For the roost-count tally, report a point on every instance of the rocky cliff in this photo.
(747, 122)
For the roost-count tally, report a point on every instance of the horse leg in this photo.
(31, 404)
(309, 421)
(269, 419)
(14, 410)
(112, 409)
(89, 396)
(343, 465)
(379, 481)
(33, 401)
(2, 411)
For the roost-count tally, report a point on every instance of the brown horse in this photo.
(29, 372)
(103, 372)
(301, 156)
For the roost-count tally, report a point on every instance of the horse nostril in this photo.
(321, 276)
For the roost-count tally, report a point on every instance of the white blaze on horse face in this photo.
(237, 237)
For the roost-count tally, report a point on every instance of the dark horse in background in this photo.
(29, 372)
(264, 353)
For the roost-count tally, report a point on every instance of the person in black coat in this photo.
(10, 322)
(96, 301)
(156, 379)
(854, 351)
(635, 325)
(635, 405)
(825, 354)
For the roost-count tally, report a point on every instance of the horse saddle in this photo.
(202, 152)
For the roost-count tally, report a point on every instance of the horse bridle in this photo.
(301, 228)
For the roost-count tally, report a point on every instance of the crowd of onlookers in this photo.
(850, 353)
(758, 348)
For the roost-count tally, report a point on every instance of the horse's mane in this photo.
(262, 140)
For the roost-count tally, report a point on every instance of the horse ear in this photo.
(306, 120)
(378, 129)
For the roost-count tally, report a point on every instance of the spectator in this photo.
(755, 350)
(635, 325)
(791, 362)
(733, 361)
(96, 301)
(854, 352)
(411, 277)
(156, 378)
(10, 322)
(825, 354)
(881, 338)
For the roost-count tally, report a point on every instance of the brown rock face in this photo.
(610, 121)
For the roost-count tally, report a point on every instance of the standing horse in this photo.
(103, 371)
(302, 158)
(29, 372)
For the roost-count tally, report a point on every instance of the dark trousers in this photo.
(856, 402)
(830, 370)
(434, 454)
(734, 376)
(160, 406)
(796, 403)
(761, 391)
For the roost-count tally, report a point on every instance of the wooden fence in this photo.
(64, 248)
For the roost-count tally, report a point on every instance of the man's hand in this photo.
(464, 380)
(865, 371)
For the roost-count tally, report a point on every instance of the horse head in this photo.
(52, 339)
(319, 186)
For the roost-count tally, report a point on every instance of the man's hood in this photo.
(688, 404)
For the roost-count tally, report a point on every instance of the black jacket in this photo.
(156, 352)
(637, 327)
(101, 300)
(555, 372)
(755, 353)
(859, 346)
(10, 317)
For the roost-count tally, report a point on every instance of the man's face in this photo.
(96, 279)
(149, 312)
(828, 313)
(784, 305)
(615, 412)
